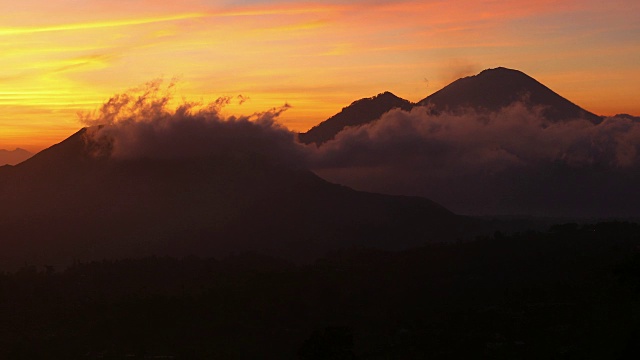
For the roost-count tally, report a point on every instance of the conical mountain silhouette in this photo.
(65, 203)
(494, 89)
(490, 90)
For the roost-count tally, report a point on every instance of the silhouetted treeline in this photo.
(569, 293)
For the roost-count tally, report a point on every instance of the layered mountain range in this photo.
(495, 143)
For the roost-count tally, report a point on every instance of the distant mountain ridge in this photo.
(627, 116)
(14, 156)
(490, 90)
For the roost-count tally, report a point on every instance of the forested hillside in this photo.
(570, 292)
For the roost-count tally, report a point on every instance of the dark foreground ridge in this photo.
(67, 204)
(569, 293)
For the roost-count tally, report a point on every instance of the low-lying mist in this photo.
(510, 161)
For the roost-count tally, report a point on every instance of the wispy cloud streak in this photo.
(6, 31)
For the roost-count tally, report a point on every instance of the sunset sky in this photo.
(60, 57)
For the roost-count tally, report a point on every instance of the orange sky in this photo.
(60, 57)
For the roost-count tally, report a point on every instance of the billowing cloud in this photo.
(512, 161)
(142, 124)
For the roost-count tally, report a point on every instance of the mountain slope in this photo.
(65, 204)
(359, 112)
(493, 89)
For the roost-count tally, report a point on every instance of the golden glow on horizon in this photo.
(61, 58)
